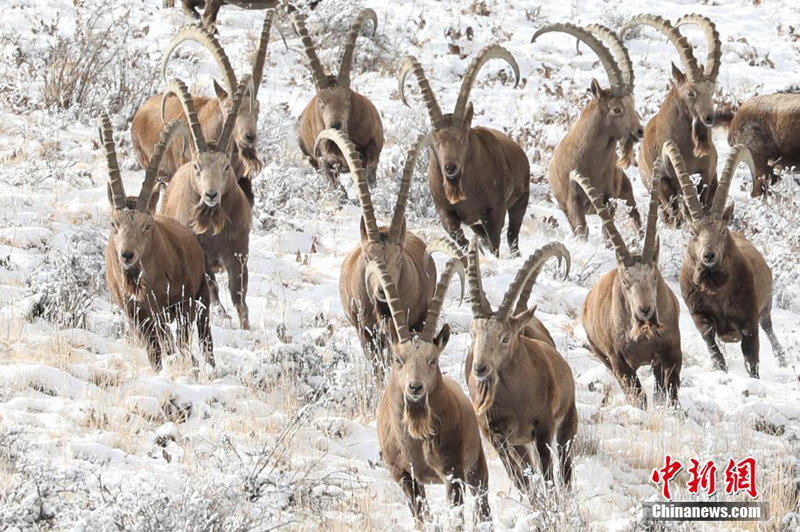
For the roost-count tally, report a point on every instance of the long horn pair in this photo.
(261, 52)
(613, 69)
(649, 246)
(739, 154)
(178, 88)
(346, 64)
(376, 268)
(492, 51)
(671, 153)
(201, 35)
(714, 58)
(530, 270)
(678, 41)
(435, 308)
(114, 176)
(613, 234)
(411, 65)
(480, 305)
(175, 128)
(321, 79)
(245, 86)
(353, 159)
(405, 186)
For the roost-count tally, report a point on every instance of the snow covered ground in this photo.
(283, 434)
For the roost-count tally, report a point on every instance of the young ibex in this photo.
(211, 8)
(364, 301)
(630, 315)
(337, 106)
(427, 428)
(769, 126)
(725, 281)
(590, 147)
(153, 263)
(203, 194)
(686, 116)
(211, 112)
(477, 174)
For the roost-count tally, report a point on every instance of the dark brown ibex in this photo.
(590, 147)
(203, 194)
(477, 174)
(153, 263)
(363, 300)
(337, 106)
(211, 8)
(427, 428)
(630, 315)
(686, 116)
(725, 281)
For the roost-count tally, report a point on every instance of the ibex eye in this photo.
(398, 361)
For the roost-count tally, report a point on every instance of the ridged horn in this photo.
(173, 129)
(230, 119)
(492, 51)
(678, 41)
(739, 154)
(201, 35)
(114, 176)
(376, 268)
(446, 246)
(178, 88)
(353, 159)
(321, 79)
(525, 294)
(649, 246)
(714, 59)
(613, 70)
(346, 64)
(671, 153)
(531, 268)
(261, 52)
(410, 64)
(617, 47)
(477, 297)
(435, 308)
(613, 234)
(405, 186)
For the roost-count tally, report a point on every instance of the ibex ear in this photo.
(468, 114)
(110, 194)
(728, 214)
(442, 338)
(677, 75)
(219, 91)
(596, 89)
(402, 238)
(520, 320)
(363, 227)
(154, 197)
(657, 249)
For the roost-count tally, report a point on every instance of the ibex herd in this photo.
(161, 263)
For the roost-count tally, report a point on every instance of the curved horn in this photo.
(114, 176)
(346, 63)
(613, 71)
(480, 305)
(435, 308)
(671, 153)
(678, 41)
(530, 269)
(410, 64)
(173, 129)
(178, 88)
(649, 246)
(405, 186)
(261, 52)
(317, 72)
(739, 154)
(714, 58)
(375, 268)
(203, 36)
(525, 294)
(353, 159)
(492, 51)
(601, 208)
(446, 246)
(230, 119)
(617, 47)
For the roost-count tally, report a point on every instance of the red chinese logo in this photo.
(739, 477)
(703, 477)
(665, 475)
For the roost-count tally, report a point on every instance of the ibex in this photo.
(211, 8)
(769, 126)
(153, 263)
(686, 116)
(630, 315)
(364, 300)
(211, 112)
(590, 147)
(725, 281)
(427, 428)
(477, 174)
(203, 194)
(337, 106)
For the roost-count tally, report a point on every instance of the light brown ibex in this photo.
(590, 147)
(336, 106)
(686, 116)
(204, 195)
(725, 281)
(630, 315)
(153, 263)
(427, 428)
(477, 174)
(363, 300)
